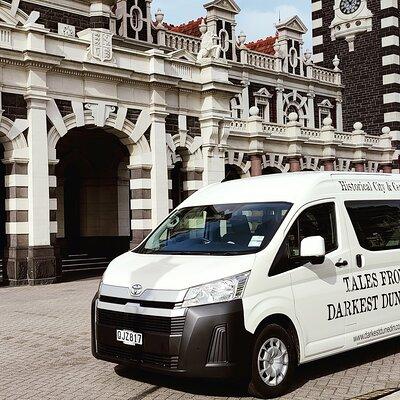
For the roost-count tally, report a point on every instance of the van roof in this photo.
(295, 187)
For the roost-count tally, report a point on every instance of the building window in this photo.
(262, 99)
(325, 111)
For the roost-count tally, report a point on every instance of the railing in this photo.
(343, 137)
(178, 41)
(372, 140)
(324, 75)
(311, 133)
(273, 129)
(237, 125)
(261, 60)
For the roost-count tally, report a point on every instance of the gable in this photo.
(182, 55)
(293, 24)
(227, 5)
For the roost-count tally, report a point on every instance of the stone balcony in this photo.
(293, 140)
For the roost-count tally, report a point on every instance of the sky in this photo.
(256, 19)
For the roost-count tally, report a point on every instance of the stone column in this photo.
(339, 113)
(387, 168)
(256, 164)
(159, 170)
(17, 231)
(100, 14)
(311, 110)
(359, 166)
(140, 204)
(149, 21)
(213, 156)
(41, 260)
(279, 104)
(329, 164)
(294, 164)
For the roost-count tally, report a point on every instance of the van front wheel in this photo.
(273, 363)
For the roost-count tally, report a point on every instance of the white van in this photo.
(258, 275)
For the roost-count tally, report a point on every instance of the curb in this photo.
(393, 396)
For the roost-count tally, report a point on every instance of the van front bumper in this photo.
(207, 342)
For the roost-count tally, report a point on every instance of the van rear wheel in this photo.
(273, 363)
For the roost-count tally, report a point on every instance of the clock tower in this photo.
(364, 35)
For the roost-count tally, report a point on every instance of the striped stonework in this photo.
(53, 218)
(192, 183)
(17, 229)
(389, 32)
(140, 187)
(170, 197)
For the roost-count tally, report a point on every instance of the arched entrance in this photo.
(93, 196)
(232, 172)
(271, 170)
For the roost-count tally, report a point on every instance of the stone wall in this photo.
(362, 69)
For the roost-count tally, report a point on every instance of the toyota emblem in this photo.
(136, 289)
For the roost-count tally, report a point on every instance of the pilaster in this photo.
(41, 260)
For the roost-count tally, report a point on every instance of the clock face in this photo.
(349, 6)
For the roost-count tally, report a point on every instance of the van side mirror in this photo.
(313, 249)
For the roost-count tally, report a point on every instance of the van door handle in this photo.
(360, 261)
(341, 263)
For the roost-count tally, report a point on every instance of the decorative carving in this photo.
(101, 45)
(100, 112)
(66, 30)
(209, 49)
(350, 21)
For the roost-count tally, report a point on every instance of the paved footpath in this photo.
(45, 354)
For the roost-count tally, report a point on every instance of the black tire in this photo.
(258, 387)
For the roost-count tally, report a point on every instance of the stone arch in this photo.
(7, 16)
(193, 146)
(310, 164)
(185, 166)
(124, 132)
(237, 159)
(12, 138)
(275, 161)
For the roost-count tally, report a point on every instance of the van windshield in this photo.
(226, 229)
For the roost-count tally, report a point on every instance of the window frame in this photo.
(272, 271)
(372, 250)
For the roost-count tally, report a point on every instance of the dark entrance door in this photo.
(72, 210)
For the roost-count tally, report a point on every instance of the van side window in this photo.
(319, 220)
(376, 223)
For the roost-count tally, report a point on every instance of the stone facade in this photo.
(369, 60)
(110, 118)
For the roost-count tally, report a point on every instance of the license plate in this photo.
(130, 338)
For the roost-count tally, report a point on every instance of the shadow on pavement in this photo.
(307, 372)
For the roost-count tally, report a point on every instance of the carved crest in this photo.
(101, 47)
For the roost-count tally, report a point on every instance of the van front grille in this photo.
(125, 355)
(141, 323)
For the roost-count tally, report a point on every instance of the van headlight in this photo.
(220, 291)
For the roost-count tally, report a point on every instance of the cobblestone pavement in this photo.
(45, 354)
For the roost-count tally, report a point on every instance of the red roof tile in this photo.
(265, 46)
(189, 28)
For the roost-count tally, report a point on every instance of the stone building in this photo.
(110, 117)
(364, 34)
